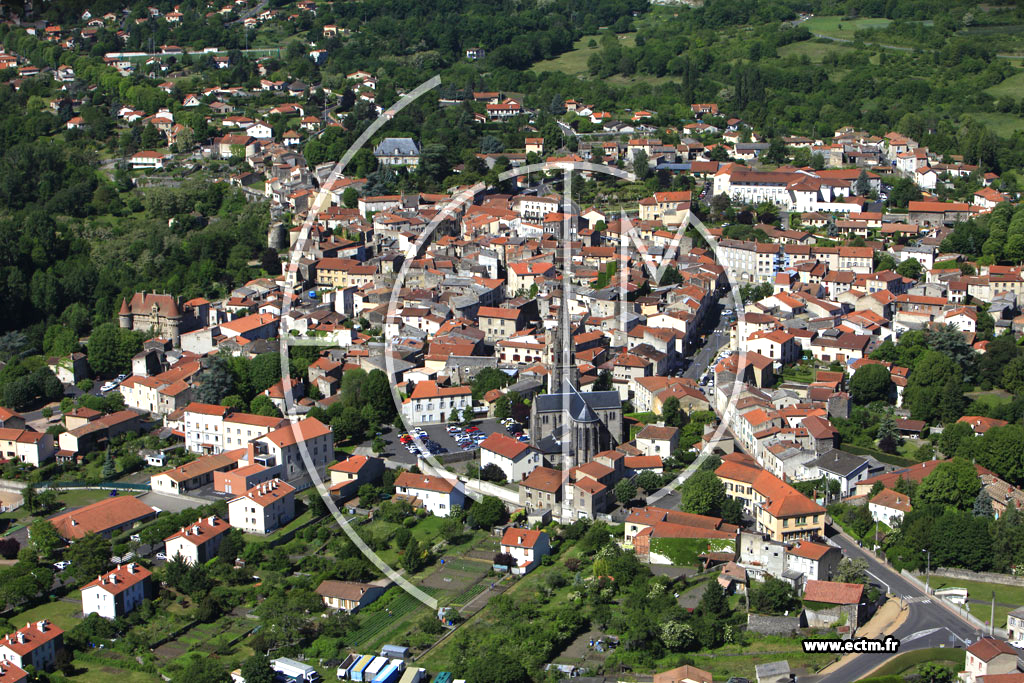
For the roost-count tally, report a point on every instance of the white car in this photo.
(62, 565)
(161, 556)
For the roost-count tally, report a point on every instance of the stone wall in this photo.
(772, 626)
(987, 577)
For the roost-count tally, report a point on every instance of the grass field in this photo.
(979, 590)
(1003, 125)
(574, 62)
(93, 672)
(834, 28)
(1012, 86)
(814, 50)
(990, 399)
(908, 661)
(59, 612)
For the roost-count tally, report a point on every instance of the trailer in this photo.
(372, 669)
(414, 675)
(346, 666)
(444, 677)
(356, 672)
(391, 672)
(394, 651)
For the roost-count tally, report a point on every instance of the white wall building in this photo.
(264, 508)
(117, 592)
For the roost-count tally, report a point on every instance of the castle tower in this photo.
(124, 316)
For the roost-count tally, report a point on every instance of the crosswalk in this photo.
(915, 598)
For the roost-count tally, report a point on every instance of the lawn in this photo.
(574, 62)
(834, 27)
(814, 50)
(60, 612)
(1003, 125)
(990, 399)
(100, 673)
(979, 590)
(298, 521)
(1011, 87)
(908, 661)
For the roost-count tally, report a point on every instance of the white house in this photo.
(260, 131)
(988, 657)
(37, 644)
(888, 507)
(526, 546)
(515, 458)
(436, 494)
(24, 445)
(117, 592)
(430, 403)
(263, 508)
(284, 447)
(658, 441)
(815, 561)
(198, 542)
(148, 159)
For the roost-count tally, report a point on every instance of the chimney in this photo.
(74, 523)
(211, 520)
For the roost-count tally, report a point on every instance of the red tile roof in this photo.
(100, 516)
(833, 592)
(123, 577)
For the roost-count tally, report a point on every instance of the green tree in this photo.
(110, 348)
(910, 268)
(933, 373)
(772, 596)
(1013, 376)
(625, 491)
(932, 672)
(982, 505)
(713, 602)
(671, 414)
(852, 570)
(90, 557)
(350, 198)
(257, 668)
(44, 537)
(215, 381)
(487, 513)
(954, 482)
(413, 556)
(870, 383)
(648, 481)
(262, 405)
(863, 184)
(702, 493)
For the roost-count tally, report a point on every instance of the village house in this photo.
(117, 592)
(527, 548)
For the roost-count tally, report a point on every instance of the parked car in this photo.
(161, 556)
(62, 565)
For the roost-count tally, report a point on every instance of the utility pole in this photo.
(992, 617)
(928, 575)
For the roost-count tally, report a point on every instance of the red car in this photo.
(471, 430)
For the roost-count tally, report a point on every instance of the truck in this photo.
(290, 670)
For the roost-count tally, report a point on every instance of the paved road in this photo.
(929, 624)
(719, 335)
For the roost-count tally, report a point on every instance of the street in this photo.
(717, 338)
(928, 624)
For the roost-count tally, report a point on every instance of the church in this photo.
(568, 426)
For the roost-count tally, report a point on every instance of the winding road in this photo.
(929, 623)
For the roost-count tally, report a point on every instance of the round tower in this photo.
(124, 316)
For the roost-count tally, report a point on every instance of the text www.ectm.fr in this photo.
(886, 645)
